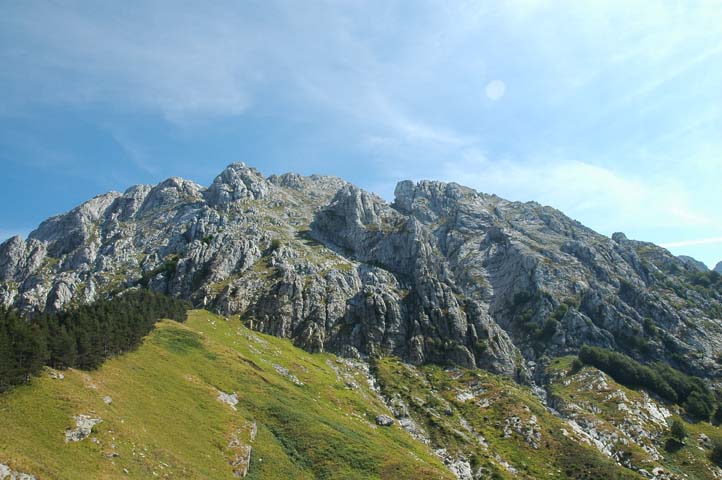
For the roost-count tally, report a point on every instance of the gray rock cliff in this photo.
(694, 263)
(442, 274)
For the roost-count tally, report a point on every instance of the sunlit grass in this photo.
(165, 420)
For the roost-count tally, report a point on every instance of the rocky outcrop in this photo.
(230, 399)
(239, 449)
(284, 372)
(432, 320)
(6, 473)
(529, 430)
(601, 414)
(384, 421)
(442, 274)
(83, 428)
(718, 268)
(237, 182)
(693, 263)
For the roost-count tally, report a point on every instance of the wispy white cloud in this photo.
(600, 197)
(174, 61)
(689, 243)
(590, 122)
(134, 151)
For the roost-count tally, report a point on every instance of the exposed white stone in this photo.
(286, 373)
(459, 466)
(231, 399)
(384, 420)
(6, 473)
(239, 449)
(464, 396)
(83, 428)
(529, 429)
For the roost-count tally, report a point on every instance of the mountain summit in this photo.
(599, 357)
(443, 274)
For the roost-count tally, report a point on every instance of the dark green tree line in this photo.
(660, 378)
(81, 337)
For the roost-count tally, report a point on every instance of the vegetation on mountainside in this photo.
(315, 416)
(677, 430)
(166, 420)
(81, 337)
(706, 280)
(670, 384)
(499, 426)
(716, 454)
(635, 426)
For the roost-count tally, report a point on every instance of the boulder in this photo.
(384, 421)
(83, 428)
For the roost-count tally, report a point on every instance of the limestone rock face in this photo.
(18, 257)
(236, 182)
(442, 274)
(693, 263)
(434, 320)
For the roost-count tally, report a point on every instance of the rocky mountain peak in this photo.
(428, 199)
(237, 182)
(443, 274)
(359, 207)
(718, 268)
(619, 237)
(169, 192)
(315, 186)
(64, 233)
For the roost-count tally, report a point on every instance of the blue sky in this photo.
(610, 111)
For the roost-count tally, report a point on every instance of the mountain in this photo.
(210, 398)
(718, 268)
(337, 335)
(694, 263)
(444, 274)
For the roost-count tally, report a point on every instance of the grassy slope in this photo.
(166, 422)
